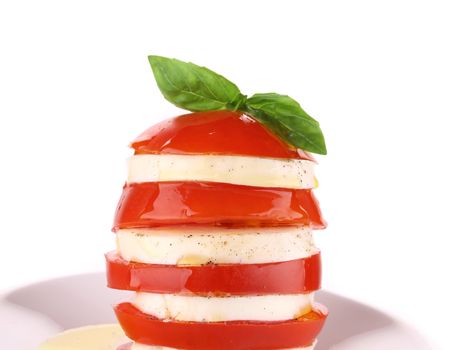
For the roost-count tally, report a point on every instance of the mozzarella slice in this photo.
(239, 170)
(101, 337)
(215, 309)
(199, 246)
(138, 346)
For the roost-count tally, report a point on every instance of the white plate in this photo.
(31, 314)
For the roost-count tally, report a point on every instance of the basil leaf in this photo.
(194, 88)
(286, 118)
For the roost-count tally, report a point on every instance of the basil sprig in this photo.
(196, 89)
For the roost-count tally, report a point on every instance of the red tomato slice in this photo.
(289, 277)
(216, 132)
(152, 204)
(233, 335)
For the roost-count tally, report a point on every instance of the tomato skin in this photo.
(214, 132)
(289, 277)
(152, 204)
(232, 335)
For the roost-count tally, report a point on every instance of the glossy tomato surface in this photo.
(152, 204)
(232, 335)
(288, 277)
(216, 132)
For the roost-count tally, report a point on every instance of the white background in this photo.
(384, 78)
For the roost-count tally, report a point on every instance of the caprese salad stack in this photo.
(214, 227)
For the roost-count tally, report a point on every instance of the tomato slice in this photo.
(215, 132)
(289, 277)
(232, 335)
(152, 204)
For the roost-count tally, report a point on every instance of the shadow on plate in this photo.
(84, 299)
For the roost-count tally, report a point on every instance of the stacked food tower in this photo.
(214, 236)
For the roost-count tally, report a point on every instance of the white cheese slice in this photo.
(195, 308)
(138, 346)
(239, 170)
(100, 337)
(199, 246)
